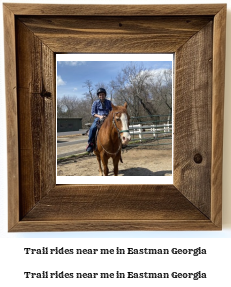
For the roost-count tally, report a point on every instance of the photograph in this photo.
(114, 115)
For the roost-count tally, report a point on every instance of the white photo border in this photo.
(119, 179)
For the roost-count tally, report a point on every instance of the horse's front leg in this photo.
(116, 164)
(105, 162)
(96, 152)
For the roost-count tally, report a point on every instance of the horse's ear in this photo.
(125, 105)
(113, 107)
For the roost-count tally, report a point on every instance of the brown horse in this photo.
(112, 135)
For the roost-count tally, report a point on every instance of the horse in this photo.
(113, 133)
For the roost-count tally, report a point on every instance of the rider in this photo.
(100, 109)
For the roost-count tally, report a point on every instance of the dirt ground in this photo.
(136, 162)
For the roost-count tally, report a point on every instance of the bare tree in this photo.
(161, 91)
(134, 82)
(66, 106)
(90, 91)
(71, 107)
(147, 93)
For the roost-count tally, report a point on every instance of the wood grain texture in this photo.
(193, 120)
(120, 202)
(114, 225)
(121, 207)
(194, 203)
(219, 36)
(12, 121)
(115, 34)
(114, 10)
(37, 105)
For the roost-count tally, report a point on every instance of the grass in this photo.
(72, 157)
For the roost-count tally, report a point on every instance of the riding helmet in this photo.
(101, 90)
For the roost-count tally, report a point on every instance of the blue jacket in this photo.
(97, 108)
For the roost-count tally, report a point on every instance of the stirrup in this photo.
(90, 147)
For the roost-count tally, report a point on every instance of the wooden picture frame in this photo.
(34, 33)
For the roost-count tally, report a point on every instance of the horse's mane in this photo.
(108, 120)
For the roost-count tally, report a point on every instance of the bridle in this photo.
(119, 132)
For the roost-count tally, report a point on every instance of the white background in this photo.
(15, 262)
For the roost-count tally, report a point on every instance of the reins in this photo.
(115, 153)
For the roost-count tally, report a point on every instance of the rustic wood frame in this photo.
(34, 33)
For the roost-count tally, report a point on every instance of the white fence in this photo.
(155, 131)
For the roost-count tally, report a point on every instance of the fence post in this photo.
(153, 130)
(140, 132)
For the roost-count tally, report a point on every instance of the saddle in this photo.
(99, 123)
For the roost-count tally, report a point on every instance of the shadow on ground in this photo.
(140, 171)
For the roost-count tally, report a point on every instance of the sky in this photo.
(74, 70)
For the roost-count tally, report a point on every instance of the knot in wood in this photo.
(45, 94)
(198, 158)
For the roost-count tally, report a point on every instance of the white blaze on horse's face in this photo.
(125, 136)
